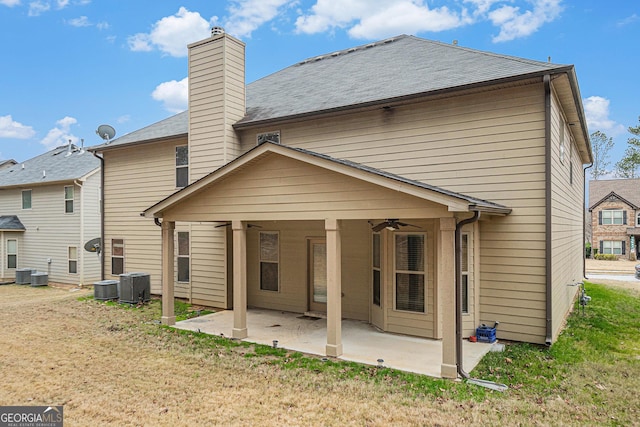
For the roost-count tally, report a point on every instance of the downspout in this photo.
(548, 211)
(584, 222)
(458, 264)
(102, 243)
(80, 252)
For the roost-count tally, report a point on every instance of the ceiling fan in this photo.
(390, 224)
(227, 224)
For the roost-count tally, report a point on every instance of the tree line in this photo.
(627, 167)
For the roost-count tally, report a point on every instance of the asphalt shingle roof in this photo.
(53, 166)
(628, 189)
(386, 70)
(10, 222)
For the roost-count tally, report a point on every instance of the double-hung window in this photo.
(410, 283)
(182, 166)
(464, 266)
(613, 217)
(68, 199)
(12, 253)
(117, 256)
(183, 256)
(613, 247)
(73, 259)
(269, 261)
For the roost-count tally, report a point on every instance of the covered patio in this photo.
(361, 341)
(277, 184)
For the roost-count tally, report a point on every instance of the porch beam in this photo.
(334, 288)
(168, 311)
(239, 279)
(447, 296)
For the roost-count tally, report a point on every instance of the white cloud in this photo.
(62, 3)
(596, 109)
(628, 20)
(36, 8)
(173, 94)
(82, 21)
(61, 134)
(9, 128)
(172, 34)
(370, 19)
(10, 3)
(514, 23)
(245, 16)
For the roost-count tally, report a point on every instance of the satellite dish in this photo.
(93, 246)
(106, 132)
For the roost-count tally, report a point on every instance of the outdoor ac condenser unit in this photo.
(23, 276)
(134, 288)
(39, 279)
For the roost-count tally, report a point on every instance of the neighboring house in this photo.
(49, 208)
(614, 205)
(343, 183)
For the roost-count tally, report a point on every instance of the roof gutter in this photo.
(584, 221)
(548, 211)
(458, 264)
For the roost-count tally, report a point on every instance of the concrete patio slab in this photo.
(361, 341)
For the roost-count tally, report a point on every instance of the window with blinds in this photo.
(410, 291)
(269, 261)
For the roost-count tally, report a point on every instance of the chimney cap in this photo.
(215, 31)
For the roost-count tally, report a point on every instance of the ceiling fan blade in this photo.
(226, 224)
(404, 224)
(253, 226)
(379, 227)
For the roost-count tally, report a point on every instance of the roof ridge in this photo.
(351, 50)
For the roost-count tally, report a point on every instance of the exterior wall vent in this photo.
(134, 288)
(216, 31)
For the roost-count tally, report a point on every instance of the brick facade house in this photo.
(615, 217)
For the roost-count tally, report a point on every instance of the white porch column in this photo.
(334, 289)
(239, 280)
(446, 282)
(168, 312)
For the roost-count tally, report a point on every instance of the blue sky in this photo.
(71, 65)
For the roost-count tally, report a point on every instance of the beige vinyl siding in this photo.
(298, 191)
(488, 145)
(89, 263)
(50, 231)
(293, 294)
(216, 102)
(152, 168)
(209, 265)
(567, 206)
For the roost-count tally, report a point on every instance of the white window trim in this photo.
(424, 273)
(12, 253)
(613, 245)
(72, 199)
(260, 260)
(124, 266)
(22, 199)
(611, 217)
(69, 259)
(638, 220)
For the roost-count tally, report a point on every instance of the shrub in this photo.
(606, 257)
(587, 250)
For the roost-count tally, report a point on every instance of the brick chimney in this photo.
(216, 101)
